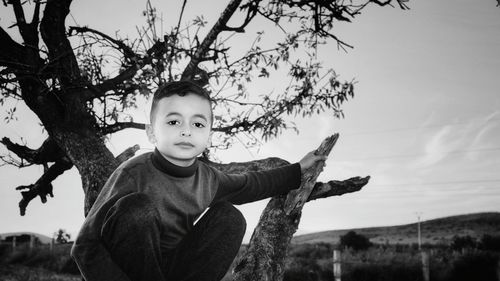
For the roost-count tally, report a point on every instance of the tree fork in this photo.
(265, 256)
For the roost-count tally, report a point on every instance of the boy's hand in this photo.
(310, 159)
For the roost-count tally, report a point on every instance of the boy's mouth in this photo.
(184, 144)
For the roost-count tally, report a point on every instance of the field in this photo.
(313, 262)
(436, 231)
(394, 255)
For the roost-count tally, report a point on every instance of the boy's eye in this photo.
(173, 122)
(199, 125)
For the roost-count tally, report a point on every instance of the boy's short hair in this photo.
(180, 88)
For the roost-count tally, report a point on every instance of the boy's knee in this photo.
(135, 210)
(230, 216)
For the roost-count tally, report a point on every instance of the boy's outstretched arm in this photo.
(310, 159)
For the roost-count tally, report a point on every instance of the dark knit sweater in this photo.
(180, 195)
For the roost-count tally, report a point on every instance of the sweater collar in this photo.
(162, 164)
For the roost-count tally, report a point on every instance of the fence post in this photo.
(52, 244)
(498, 270)
(337, 272)
(425, 266)
(32, 242)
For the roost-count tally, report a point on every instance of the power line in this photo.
(438, 183)
(422, 154)
(375, 132)
(414, 128)
(425, 197)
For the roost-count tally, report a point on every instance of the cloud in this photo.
(487, 135)
(462, 138)
(438, 146)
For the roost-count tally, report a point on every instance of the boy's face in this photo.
(181, 128)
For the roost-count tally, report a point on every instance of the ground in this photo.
(24, 273)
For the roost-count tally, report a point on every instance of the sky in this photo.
(424, 122)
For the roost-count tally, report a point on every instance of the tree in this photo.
(490, 242)
(463, 242)
(61, 236)
(355, 241)
(81, 83)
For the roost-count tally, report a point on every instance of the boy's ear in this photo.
(150, 133)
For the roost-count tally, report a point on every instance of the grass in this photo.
(17, 272)
(38, 264)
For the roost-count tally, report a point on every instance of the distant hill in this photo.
(434, 231)
(43, 239)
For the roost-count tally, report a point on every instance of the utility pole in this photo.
(425, 255)
(419, 231)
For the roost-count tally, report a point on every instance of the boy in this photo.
(141, 226)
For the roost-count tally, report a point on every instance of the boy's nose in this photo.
(185, 133)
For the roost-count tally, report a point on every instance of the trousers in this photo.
(132, 230)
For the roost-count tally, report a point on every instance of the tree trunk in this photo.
(92, 158)
(265, 256)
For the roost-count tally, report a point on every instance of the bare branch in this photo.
(36, 13)
(9, 160)
(29, 32)
(156, 51)
(127, 51)
(256, 165)
(21, 20)
(49, 151)
(111, 84)
(43, 186)
(127, 153)
(53, 31)
(11, 52)
(118, 126)
(202, 50)
(216, 100)
(335, 187)
(252, 10)
(401, 3)
(239, 126)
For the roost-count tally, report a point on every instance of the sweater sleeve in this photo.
(254, 186)
(88, 251)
